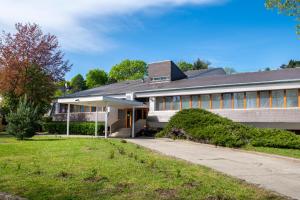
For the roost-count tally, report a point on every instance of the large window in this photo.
(176, 103)
(169, 102)
(277, 98)
(185, 102)
(195, 101)
(238, 100)
(292, 98)
(251, 99)
(159, 103)
(205, 101)
(227, 101)
(264, 97)
(216, 101)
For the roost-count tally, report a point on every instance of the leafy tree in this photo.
(185, 66)
(286, 7)
(96, 77)
(201, 64)
(30, 64)
(291, 64)
(62, 88)
(128, 70)
(77, 83)
(23, 122)
(229, 70)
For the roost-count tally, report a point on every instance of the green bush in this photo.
(76, 128)
(206, 127)
(23, 122)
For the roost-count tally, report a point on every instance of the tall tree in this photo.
(287, 7)
(201, 64)
(128, 70)
(77, 83)
(291, 64)
(96, 77)
(30, 64)
(185, 66)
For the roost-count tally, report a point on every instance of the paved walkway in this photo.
(276, 173)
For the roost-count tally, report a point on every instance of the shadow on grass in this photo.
(44, 139)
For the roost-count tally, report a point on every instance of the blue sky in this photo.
(228, 33)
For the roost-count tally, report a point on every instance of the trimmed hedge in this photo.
(76, 128)
(203, 126)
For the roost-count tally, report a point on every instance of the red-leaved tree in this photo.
(30, 64)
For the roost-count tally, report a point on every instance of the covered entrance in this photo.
(132, 110)
(140, 113)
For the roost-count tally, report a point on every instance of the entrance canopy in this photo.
(100, 101)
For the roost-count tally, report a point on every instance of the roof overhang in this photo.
(100, 101)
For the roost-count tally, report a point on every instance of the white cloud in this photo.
(67, 18)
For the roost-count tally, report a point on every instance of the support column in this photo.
(96, 122)
(133, 122)
(68, 120)
(106, 123)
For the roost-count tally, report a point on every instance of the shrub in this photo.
(203, 126)
(76, 128)
(23, 122)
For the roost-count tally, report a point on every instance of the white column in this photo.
(68, 120)
(133, 121)
(106, 121)
(96, 122)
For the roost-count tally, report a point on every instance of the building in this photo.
(262, 99)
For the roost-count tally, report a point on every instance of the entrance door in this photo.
(128, 118)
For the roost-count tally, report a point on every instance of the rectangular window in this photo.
(264, 99)
(227, 101)
(81, 108)
(216, 101)
(185, 102)
(158, 103)
(292, 98)
(251, 98)
(205, 101)
(169, 101)
(176, 103)
(278, 98)
(87, 109)
(238, 100)
(195, 101)
(93, 109)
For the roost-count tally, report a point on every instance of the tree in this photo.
(77, 83)
(287, 7)
(201, 64)
(291, 64)
(229, 70)
(185, 66)
(23, 122)
(96, 77)
(30, 64)
(128, 70)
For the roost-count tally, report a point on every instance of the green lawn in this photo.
(294, 153)
(56, 168)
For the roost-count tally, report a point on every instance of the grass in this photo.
(293, 153)
(57, 168)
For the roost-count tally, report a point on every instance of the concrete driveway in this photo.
(276, 173)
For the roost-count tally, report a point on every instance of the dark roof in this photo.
(198, 81)
(204, 72)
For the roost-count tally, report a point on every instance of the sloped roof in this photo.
(204, 81)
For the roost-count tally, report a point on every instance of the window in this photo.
(87, 109)
(238, 100)
(63, 108)
(169, 101)
(205, 101)
(93, 109)
(292, 98)
(81, 108)
(216, 101)
(251, 99)
(158, 103)
(195, 101)
(227, 101)
(176, 103)
(264, 97)
(185, 102)
(277, 98)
